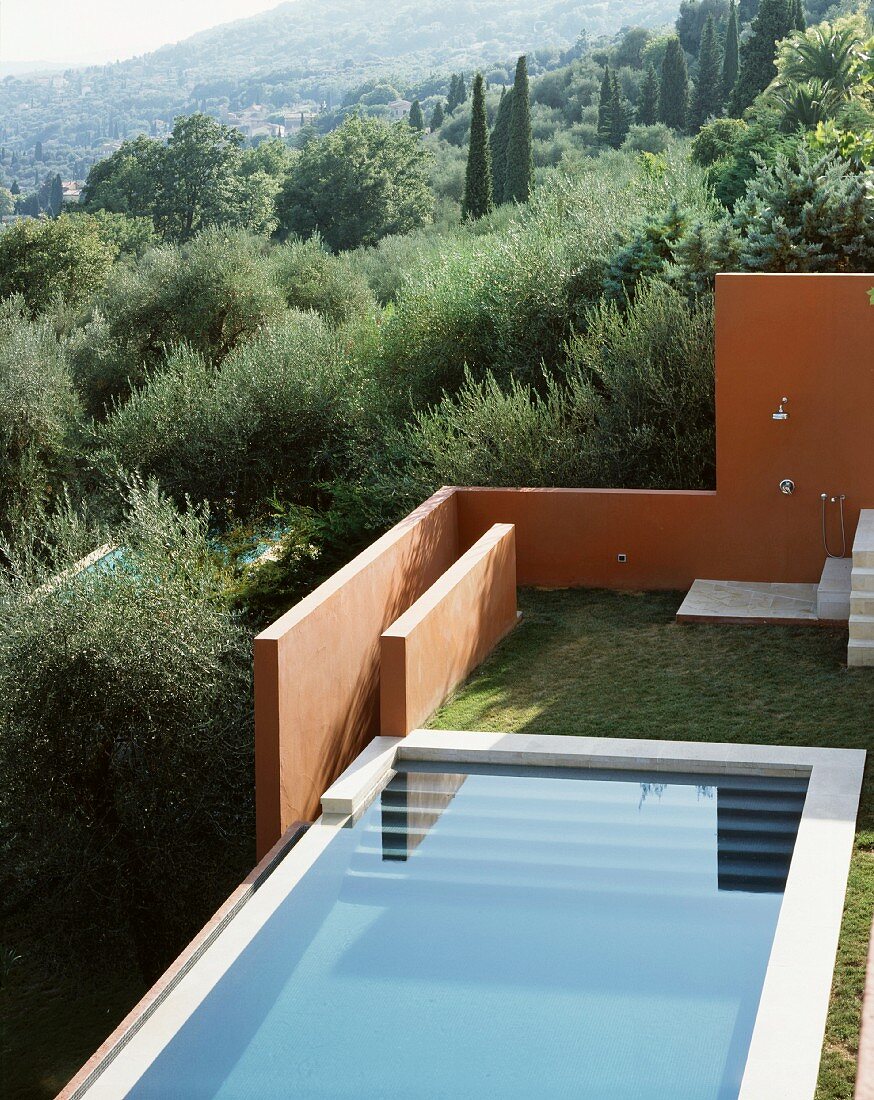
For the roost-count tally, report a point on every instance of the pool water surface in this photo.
(509, 932)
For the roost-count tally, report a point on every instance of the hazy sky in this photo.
(107, 30)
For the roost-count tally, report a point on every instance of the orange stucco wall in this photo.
(448, 631)
(317, 668)
(807, 337)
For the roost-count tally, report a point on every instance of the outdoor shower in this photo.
(825, 500)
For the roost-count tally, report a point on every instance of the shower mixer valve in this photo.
(787, 487)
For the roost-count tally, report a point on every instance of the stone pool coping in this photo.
(787, 1038)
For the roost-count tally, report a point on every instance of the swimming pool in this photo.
(499, 930)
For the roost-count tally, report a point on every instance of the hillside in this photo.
(296, 57)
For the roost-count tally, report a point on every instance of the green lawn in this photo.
(609, 664)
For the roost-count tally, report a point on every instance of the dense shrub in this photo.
(209, 294)
(506, 302)
(648, 139)
(649, 372)
(633, 409)
(45, 259)
(312, 278)
(487, 435)
(817, 215)
(126, 756)
(38, 415)
(272, 418)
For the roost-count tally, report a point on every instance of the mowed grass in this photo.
(607, 664)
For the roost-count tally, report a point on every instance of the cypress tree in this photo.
(757, 68)
(674, 88)
(478, 199)
(647, 108)
(618, 114)
(56, 197)
(462, 90)
(729, 53)
(437, 115)
(707, 98)
(604, 105)
(417, 119)
(799, 23)
(452, 100)
(519, 181)
(500, 139)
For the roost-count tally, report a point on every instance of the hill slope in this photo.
(300, 55)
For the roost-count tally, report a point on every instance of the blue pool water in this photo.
(500, 933)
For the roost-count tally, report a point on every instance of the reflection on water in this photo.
(504, 932)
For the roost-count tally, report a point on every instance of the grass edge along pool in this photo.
(363, 962)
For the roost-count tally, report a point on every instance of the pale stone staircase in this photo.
(860, 650)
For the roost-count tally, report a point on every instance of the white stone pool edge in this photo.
(787, 1039)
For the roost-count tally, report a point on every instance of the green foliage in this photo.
(655, 139)
(634, 409)
(649, 373)
(499, 141)
(616, 116)
(358, 184)
(126, 756)
(646, 253)
(692, 19)
(629, 52)
(605, 95)
(707, 98)
(272, 418)
(508, 301)
(416, 119)
(519, 181)
(489, 435)
(730, 53)
(816, 215)
(832, 54)
(734, 148)
(804, 106)
(648, 104)
(310, 277)
(674, 87)
(125, 235)
(855, 147)
(478, 199)
(209, 294)
(716, 140)
(197, 180)
(437, 115)
(756, 65)
(38, 416)
(67, 257)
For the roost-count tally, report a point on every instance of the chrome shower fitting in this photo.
(781, 413)
(839, 500)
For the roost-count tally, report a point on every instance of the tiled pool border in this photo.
(787, 1039)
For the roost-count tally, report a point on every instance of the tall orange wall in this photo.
(317, 668)
(447, 632)
(807, 337)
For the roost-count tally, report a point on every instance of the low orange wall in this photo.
(448, 631)
(317, 668)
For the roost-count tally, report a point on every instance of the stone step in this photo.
(860, 654)
(833, 592)
(862, 628)
(863, 580)
(862, 603)
(863, 544)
